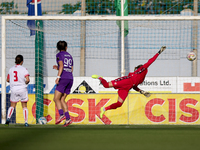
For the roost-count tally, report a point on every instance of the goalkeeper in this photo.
(125, 83)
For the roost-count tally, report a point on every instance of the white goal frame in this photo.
(80, 18)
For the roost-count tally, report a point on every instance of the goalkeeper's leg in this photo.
(103, 81)
(112, 106)
(122, 96)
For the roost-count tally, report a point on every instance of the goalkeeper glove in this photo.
(161, 49)
(147, 94)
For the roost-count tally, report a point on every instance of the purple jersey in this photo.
(67, 60)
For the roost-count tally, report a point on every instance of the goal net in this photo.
(98, 47)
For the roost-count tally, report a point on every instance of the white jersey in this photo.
(17, 78)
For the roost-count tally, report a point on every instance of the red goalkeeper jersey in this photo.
(138, 76)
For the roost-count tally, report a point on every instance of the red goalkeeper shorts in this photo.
(123, 85)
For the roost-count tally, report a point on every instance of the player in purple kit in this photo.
(64, 81)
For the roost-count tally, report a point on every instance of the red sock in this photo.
(10, 112)
(104, 82)
(114, 106)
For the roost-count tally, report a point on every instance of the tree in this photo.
(105, 7)
(8, 8)
(100, 7)
(70, 9)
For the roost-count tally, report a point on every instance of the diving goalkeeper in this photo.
(125, 83)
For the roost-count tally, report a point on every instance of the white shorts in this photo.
(19, 95)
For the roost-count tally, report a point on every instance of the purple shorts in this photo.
(64, 86)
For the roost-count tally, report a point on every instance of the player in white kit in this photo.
(18, 77)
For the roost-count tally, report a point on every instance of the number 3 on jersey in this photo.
(15, 76)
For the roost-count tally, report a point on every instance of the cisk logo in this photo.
(172, 112)
(185, 110)
(191, 87)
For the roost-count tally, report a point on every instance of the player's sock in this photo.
(61, 118)
(60, 112)
(10, 112)
(114, 105)
(67, 115)
(25, 113)
(104, 82)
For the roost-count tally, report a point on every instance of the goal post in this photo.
(147, 21)
(39, 52)
(3, 74)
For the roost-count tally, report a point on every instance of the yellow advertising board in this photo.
(137, 109)
(164, 109)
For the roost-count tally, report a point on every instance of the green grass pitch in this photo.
(100, 137)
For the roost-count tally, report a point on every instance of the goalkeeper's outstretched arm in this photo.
(151, 60)
(147, 94)
(161, 49)
(136, 88)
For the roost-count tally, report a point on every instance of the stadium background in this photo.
(102, 52)
(174, 77)
(103, 57)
